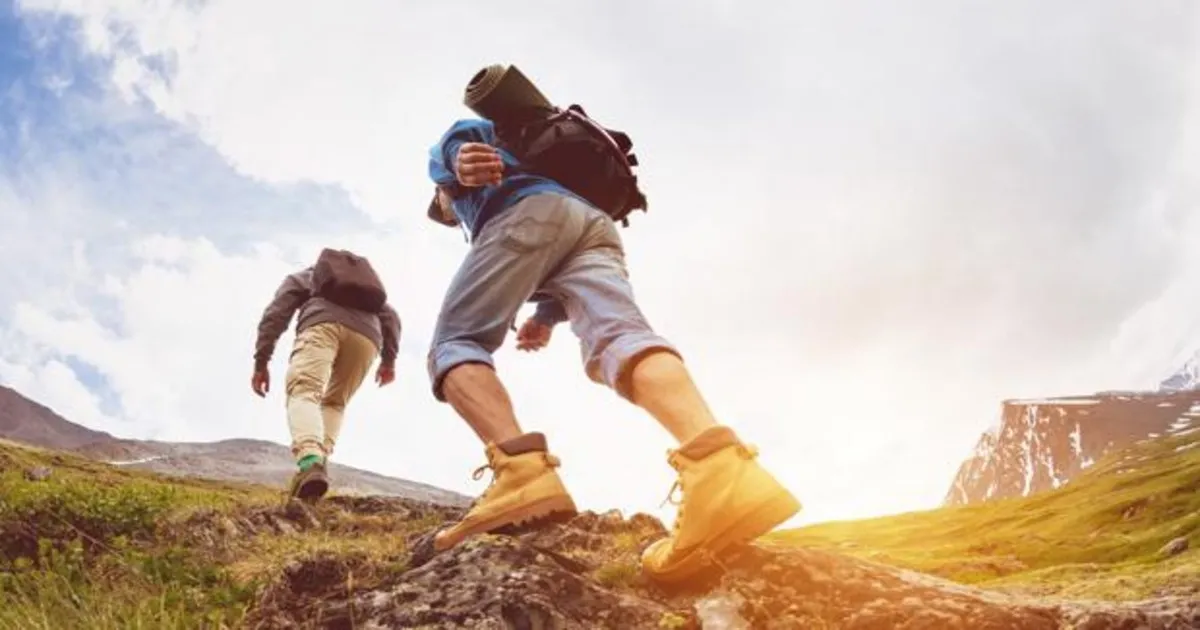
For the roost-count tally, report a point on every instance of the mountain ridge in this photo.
(25, 420)
(234, 459)
(1186, 378)
(1041, 443)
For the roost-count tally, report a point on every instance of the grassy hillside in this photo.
(85, 544)
(1098, 536)
(89, 545)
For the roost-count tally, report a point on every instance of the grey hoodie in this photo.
(382, 328)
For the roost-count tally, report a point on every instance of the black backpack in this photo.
(345, 278)
(594, 162)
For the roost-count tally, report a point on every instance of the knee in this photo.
(304, 384)
(447, 355)
(333, 405)
(613, 363)
(629, 378)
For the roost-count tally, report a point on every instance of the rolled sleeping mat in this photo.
(501, 91)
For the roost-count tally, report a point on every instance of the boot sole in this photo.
(758, 522)
(524, 527)
(552, 509)
(312, 490)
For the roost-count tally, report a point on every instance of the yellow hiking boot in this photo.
(525, 490)
(728, 498)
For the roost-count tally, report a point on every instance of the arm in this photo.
(535, 333)
(390, 324)
(292, 293)
(442, 155)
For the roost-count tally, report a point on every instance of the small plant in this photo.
(673, 621)
(625, 541)
(620, 573)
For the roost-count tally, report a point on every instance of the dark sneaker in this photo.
(310, 485)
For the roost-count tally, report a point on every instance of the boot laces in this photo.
(677, 486)
(475, 476)
(498, 468)
(676, 495)
(745, 451)
(677, 502)
(493, 466)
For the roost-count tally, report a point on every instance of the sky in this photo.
(869, 223)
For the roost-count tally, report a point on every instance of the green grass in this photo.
(78, 548)
(95, 546)
(124, 588)
(1098, 536)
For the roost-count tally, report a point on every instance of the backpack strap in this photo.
(576, 113)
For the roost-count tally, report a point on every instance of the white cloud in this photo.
(867, 226)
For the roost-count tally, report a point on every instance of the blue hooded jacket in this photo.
(475, 206)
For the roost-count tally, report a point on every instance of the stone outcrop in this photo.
(584, 574)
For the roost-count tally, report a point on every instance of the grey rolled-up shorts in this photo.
(561, 246)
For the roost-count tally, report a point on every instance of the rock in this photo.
(721, 612)
(613, 516)
(585, 574)
(1175, 547)
(40, 473)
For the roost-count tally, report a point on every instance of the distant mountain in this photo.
(255, 461)
(1187, 378)
(1042, 444)
(23, 420)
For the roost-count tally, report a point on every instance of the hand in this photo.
(446, 205)
(533, 335)
(478, 164)
(260, 382)
(385, 374)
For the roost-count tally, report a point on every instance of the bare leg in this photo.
(525, 489)
(477, 394)
(660, 384)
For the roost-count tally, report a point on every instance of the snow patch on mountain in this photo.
(1187, 378)
(1042, 443)
(140, 460)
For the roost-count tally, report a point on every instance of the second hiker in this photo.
(344, 323)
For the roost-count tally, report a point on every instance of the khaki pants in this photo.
(328, 364)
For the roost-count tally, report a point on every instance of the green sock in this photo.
(307, 461)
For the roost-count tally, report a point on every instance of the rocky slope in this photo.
(1042, 444)
(254, 461)
(584, 575)
(83, 544)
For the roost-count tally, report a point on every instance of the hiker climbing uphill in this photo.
(344, 322)
(539, 191)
